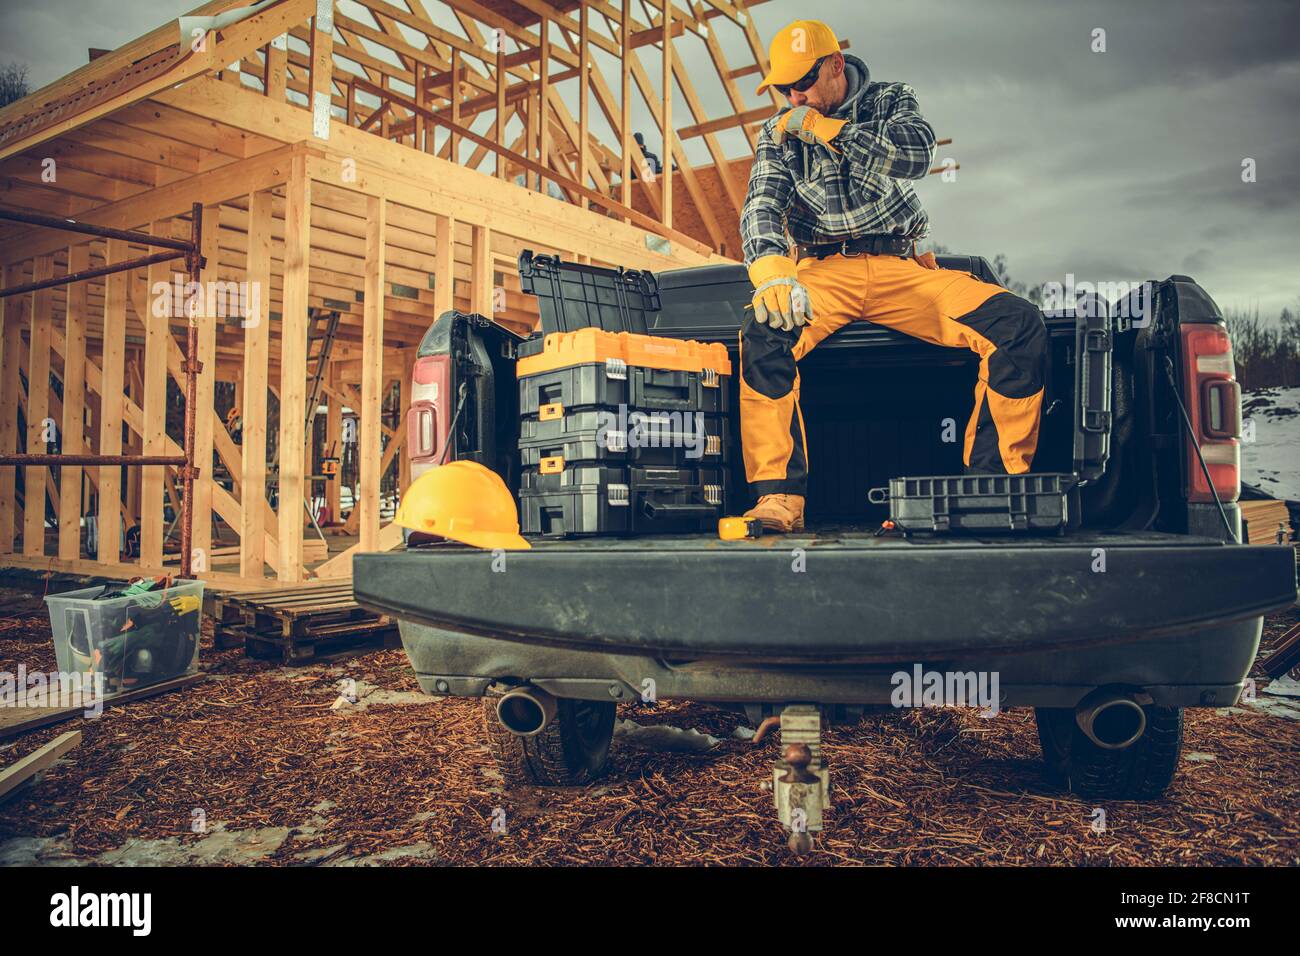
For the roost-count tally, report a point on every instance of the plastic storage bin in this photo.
(132, 641)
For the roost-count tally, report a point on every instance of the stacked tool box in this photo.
(621, 432)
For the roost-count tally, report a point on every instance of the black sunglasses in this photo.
(804, 83)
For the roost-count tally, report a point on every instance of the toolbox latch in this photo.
(551, 465)
(615, 368)
(550, 412)
(620, 496)
(709, 377)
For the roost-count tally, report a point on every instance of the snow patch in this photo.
(1271, 461)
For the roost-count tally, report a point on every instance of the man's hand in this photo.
(807, 124)
(780, 299)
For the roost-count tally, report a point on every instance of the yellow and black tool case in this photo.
(677, 439)
(591, 368)
(603, 499)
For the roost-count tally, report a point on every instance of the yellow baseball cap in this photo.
(795, 49)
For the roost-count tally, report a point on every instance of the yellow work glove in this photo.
(185, 604)
(807, 124)
(780, 299)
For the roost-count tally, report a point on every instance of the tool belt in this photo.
(869, 245)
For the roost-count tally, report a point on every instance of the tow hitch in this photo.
(800, 780)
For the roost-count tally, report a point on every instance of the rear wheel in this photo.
(572, 751)
(1142, 771)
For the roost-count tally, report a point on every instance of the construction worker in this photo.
(833, 172)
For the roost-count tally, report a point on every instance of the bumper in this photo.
(812, 601)
(1203, 668)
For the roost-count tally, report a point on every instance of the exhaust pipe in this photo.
(526, 711)
(1111, 719)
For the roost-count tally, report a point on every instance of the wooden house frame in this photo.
(333, 177)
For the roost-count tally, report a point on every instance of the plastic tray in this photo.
(978, 503)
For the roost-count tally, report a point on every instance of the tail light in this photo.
(428, 422)
(1214, 405)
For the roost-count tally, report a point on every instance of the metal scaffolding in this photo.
(192, 253)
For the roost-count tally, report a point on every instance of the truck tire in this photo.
(1142, 771)
(572, 751)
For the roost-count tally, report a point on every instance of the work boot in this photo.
(779, 513)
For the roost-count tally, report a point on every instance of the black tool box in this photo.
(590, 380)
(620, 432)
(978, 503)
(604, 499)
(572, 296)
(643, 438)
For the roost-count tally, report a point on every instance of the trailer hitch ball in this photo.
(800, 781)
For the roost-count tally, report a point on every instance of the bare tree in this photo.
(13, 83)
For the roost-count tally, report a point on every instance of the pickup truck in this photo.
(1145, 605)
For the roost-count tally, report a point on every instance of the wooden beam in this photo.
(293, 366)
(428, 183)
(12, 314)
(727, 122)
(454, 92)
(480, 289)
(37, 761)
(38, 404)
(204, 393)
(543, 108)
(501, 109)
(667, 113)
(625, 95)
(584, 81)
(219, 49)
(74, 405)
(276, 63)
(112, 393)
(662, 228)
(157, 333)
(225, 182)
(372, 374)
(257, 339)
(444, 265)
(322, 65)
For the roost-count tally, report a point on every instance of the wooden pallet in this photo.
(298, 623)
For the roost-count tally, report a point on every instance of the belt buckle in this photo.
(844, 250)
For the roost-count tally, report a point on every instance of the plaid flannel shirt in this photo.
(820, 197)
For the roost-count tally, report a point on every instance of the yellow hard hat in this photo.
(795, 49)
(463, 501)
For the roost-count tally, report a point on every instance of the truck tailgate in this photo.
(831, 597)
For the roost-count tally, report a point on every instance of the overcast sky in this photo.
(1116, 165)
